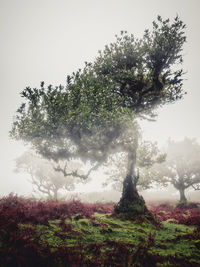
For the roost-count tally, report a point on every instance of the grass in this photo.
(168, 241)
(76, 234)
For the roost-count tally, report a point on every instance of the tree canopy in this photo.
(130, 78)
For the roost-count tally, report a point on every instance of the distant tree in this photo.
(45, 179)
(182, 166)
(147, 155)
(88, 118)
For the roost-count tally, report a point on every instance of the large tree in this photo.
(89, 117)
(182, 166)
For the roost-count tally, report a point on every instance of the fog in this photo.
(47, 40)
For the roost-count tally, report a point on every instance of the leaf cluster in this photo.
(86, 118)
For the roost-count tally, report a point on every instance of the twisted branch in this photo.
(75, 173)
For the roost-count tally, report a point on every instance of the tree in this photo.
(88, 118)
(147, 155)
(182, 166)
(45, 179)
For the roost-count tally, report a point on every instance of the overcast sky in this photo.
(45, 40)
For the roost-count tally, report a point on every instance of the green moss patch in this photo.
(102, 235)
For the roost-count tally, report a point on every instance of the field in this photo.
(39, 233)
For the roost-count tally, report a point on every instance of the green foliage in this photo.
(130, 77)
(168, 240)
(72, 234)
(89, 117)
(140, 69)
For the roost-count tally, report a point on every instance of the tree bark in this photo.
(55, 193)
(131, 204)
(183, 198)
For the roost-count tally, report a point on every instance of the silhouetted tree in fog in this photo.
(45, 179)
(182, 166)
(147, 155)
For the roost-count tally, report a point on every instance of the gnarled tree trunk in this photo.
(55, 194)
(183, 198)
(131, 204)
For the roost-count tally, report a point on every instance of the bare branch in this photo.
(75, 173)
(196, 187)
(146, 118)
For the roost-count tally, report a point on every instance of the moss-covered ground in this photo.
(36, 237)
(171, 244)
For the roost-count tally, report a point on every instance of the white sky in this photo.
(44, 40)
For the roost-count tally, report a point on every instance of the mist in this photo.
(100, 144)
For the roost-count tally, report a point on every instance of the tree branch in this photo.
(146, 118)
(136, 177)
(197, 187)
(75, 173)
